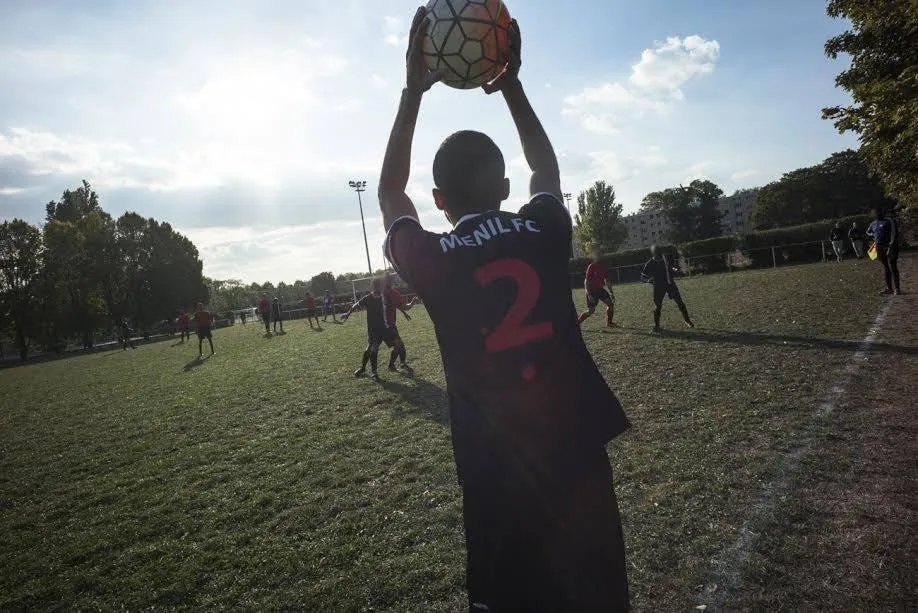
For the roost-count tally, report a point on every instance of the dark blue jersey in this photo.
(518, 374)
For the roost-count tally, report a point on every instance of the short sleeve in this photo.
(549, 212)
(413, 252)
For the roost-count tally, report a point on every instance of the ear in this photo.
(438, 199)
(505, 193)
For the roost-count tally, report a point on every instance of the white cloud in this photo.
(654, 85)
(11, 191)
(743, 174)
(699, 170)
(396, 31)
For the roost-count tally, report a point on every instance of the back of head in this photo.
(654, 252)
(468, 171)
(376, 285)
(878, 212)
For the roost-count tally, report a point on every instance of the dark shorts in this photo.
(310, 313)
(659, 293)
(546, 540)
(596, 296)
(204, 332)
(383, 335)
(266, 317)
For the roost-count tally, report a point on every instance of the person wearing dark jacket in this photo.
(856, 236)
(126, 332)
(884, 232)
(277, 317)
(659, 272)
(837, 236)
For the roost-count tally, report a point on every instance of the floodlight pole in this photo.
(567, 198)
(360, 187)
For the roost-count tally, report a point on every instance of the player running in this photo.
(393, 302)
(377, 333)
(530, 411)
(277, 317)
(310, 305)
(204, 321)
(659, 272)
(264, 309)
(328, 307)
(595, 284)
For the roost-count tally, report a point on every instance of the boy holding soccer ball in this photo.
(530, 412)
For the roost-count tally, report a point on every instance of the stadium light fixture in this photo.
(360, 187)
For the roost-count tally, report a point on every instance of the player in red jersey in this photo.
(530, 412)
(393, 302)
(595, 283)
(204, 321)
(309, 303)
(183, 321)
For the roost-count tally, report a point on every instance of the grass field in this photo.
(268, 477)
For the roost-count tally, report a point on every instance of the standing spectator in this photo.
(264, 308)
(659, 272)
(328, 306)
(856, 236)
(837, 236)
(242, 316)
(276, 315)
(884, 232)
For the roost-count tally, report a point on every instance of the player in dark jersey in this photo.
(377, 333)
(277, 317)
(393, 302)
(530, 412)
(126, 332)
(309, 303)
(595, 284)
(659, 272)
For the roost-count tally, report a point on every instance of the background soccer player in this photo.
(530, 411)
(837, 238)
(126, 332)
(328, 307)
(310, 304)
(595, 283)
(184, 320)
(376, 329)
(393, 302)
(204, 322)
(659, 272)
(277, 316)
(264, 308)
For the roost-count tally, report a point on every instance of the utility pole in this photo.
(360, 187)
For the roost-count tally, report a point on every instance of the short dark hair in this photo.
(469, 170)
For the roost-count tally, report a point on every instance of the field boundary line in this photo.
(724, 576)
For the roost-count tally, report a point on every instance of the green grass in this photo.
(268, 477)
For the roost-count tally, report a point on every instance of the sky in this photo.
(241, 122)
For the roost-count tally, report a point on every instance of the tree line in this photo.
(842, 185)
(83, 271)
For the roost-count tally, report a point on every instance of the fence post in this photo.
(618, 273)
(774, 260)
(822, 245)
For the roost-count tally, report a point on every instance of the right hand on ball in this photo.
(419, 77)
(512, 72)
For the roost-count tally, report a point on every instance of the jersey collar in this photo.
(465, 218)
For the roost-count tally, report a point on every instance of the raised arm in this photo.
(393, 178)
(537, 148)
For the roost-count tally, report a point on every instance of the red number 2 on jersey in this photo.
(513, 331)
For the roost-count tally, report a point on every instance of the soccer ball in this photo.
(467, 41)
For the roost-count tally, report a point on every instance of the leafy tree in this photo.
(599, 219)
(322, 282)
(676, 203)
(883, 81)
(20, 268)
(839, 186)
(707, 213)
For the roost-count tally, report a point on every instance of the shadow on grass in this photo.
(281, 333)
(779, 340)
(194, 364)
(178, 344)
(428, 400)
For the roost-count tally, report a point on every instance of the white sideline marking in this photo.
(724, 576)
